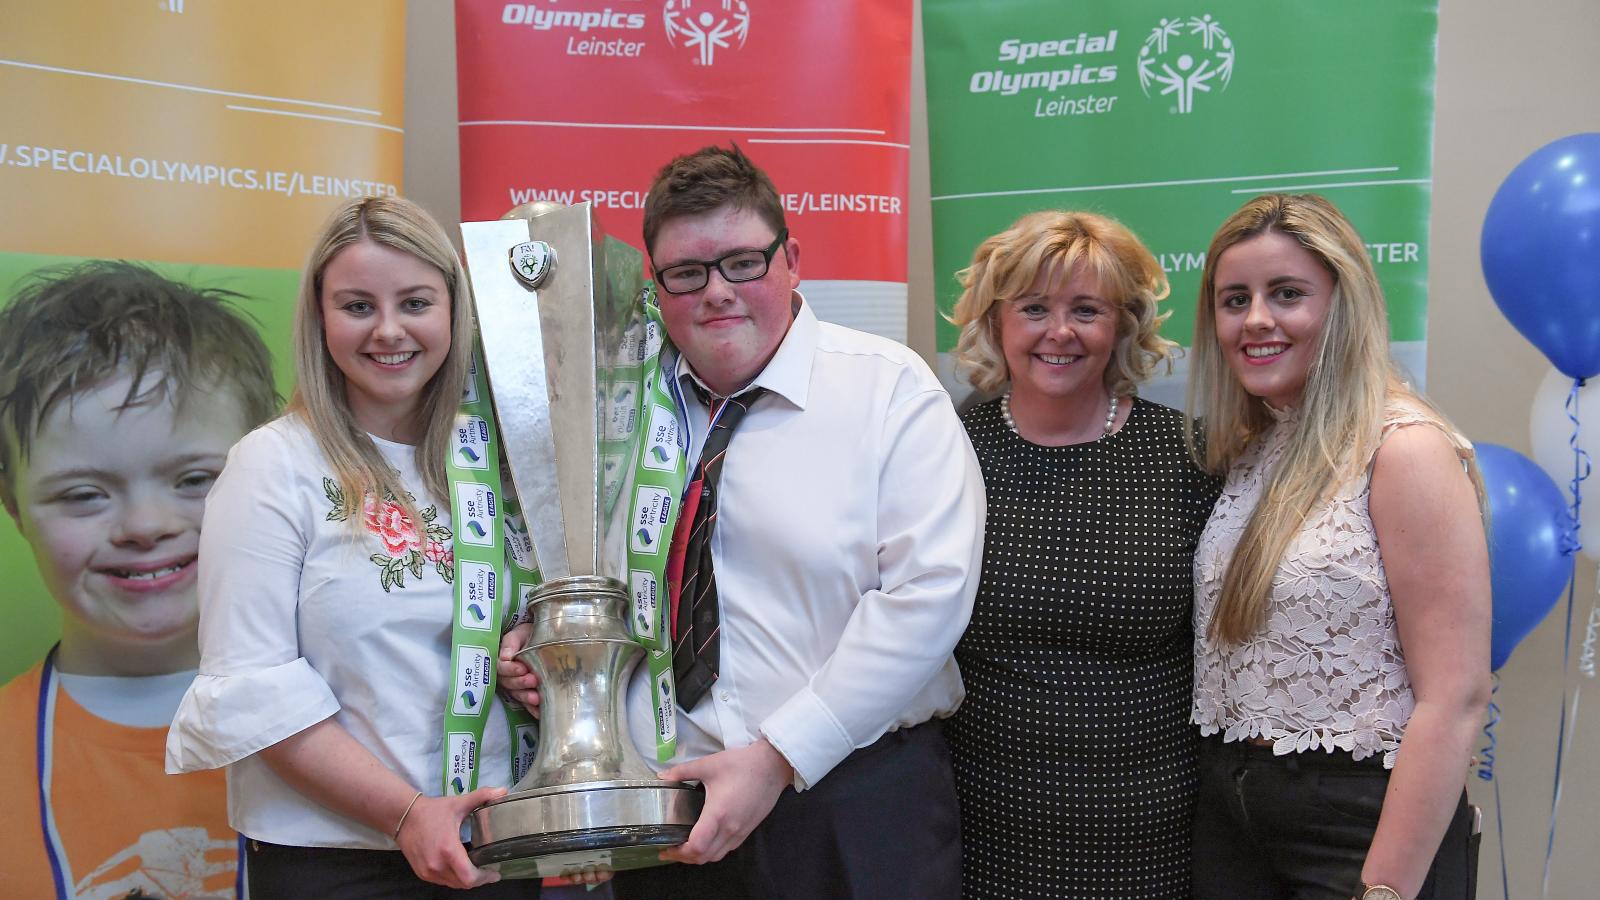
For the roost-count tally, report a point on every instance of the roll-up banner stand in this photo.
(585, 100)
(1168, 116)
(206, 140)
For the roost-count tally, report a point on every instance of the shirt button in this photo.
(727, 697)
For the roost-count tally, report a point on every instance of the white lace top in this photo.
(1327, 670)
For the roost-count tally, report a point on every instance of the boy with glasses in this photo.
(819, 604)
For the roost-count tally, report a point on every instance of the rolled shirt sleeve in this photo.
(900, 636)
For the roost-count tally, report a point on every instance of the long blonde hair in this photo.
(1005, 265)
(319, 395)
(1350, 382)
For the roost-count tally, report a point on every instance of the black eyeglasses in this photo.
(740, 265)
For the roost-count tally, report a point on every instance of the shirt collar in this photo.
(788, 373)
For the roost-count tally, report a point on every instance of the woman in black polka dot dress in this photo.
(1074, 756)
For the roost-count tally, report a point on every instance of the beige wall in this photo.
(1511, 78)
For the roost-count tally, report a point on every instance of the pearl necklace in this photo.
(1005, 415)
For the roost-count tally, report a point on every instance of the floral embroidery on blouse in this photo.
(1327, 670)
(405, 548)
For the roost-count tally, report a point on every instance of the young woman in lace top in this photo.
(1341, 585)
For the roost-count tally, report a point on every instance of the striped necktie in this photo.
(691, 584)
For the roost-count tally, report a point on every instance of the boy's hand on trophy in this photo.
(430, 837)
(516, 678)
(741, 785)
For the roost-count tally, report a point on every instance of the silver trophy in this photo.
(560, 320)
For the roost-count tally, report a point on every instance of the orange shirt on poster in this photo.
(124, 823)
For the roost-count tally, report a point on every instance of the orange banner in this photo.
(195, 131)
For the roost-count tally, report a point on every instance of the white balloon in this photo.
(1551, 431)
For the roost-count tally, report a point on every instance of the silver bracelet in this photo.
(402, 823)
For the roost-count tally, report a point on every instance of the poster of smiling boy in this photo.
(120, 394)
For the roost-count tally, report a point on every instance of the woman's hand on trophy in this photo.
(430, 837)
(741, 785)
(516, 678)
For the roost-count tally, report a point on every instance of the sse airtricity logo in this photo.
(1184, 57)
(705, 25)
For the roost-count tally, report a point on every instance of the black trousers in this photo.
(1297, 827)
(277, 872)
(883, 823)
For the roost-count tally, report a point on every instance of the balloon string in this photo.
(1568, 723)
(1486, 753)
(1586, 662)
(1582, 467)
(1580, 470)
(1500, 831)
(1486, 773)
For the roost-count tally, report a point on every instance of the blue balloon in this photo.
(1527, 519)
(1541, 251)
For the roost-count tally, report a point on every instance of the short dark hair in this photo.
(71, 328)
(707, 179)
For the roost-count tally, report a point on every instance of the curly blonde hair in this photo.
(1007, 264)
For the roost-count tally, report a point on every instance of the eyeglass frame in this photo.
(767, 253)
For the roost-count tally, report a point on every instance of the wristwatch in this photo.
(1379, 892)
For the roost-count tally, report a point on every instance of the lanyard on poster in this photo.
(44, 768)
(660, 472)
(492, 554)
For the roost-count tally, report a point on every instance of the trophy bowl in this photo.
(589, 800)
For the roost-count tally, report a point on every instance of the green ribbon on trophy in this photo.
(660, 472)
(523, 569)
(492, 553)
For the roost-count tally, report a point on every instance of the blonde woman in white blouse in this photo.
(326, 587)
(1341, 585)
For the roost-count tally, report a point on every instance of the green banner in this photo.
(1169, 115)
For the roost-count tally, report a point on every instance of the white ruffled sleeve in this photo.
(254, 687)
(225, 718)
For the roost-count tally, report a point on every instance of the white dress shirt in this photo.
(847, 548)
(295, 627)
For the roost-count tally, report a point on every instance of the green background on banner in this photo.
(1320, 96)
(31, 620)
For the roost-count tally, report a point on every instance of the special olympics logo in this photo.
(706, 30)
(1185, 56)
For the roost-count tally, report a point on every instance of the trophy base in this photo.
(614, 825)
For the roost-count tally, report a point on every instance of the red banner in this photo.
(586, 100)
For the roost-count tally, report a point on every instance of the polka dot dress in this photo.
(1074, 756)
